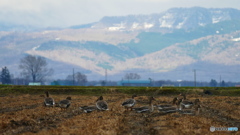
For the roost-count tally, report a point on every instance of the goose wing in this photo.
(48, 101)
(88, 109)
(163, 106)
(102, 105)
(129, 103)
(187, 104)
(168, 110)
(141, 109)
(64, 103)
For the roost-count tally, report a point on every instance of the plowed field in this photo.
(25, 114)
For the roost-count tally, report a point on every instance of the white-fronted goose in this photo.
(187, 104)
(148, 108)
(169, 108)
(167, 105)
(48, 101)
(101, 104)
(88, 109)
(194, 110)
(129, 103)
(65, 103)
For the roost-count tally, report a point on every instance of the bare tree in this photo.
(78, 77)
(35, 67)
(81, 79)
(132, 76)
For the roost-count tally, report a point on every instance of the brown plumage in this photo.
(48, 101)
(101, 104)
(65, 103)
(186, 103)
(143, 109)
(88, 109)
(129, 103)
(164, 106)
(169, 108)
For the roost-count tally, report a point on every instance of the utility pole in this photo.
(106, 75)
(195, 83)
(220, 81)
(73, 77)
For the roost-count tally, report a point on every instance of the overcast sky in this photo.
(76, 12)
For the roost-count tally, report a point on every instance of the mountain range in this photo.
(160, 46)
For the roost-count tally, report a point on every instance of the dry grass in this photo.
(25, 114)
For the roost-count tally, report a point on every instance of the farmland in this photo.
(22, 111)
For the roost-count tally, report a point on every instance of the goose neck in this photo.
(47, 94)
(151, 109)
(184, 97)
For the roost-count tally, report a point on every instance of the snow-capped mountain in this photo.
(175, 18)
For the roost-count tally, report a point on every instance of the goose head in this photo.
(184, 95)
(151, 99)
(197, 101)
(100, 98)
(69, 98)
(133, 96)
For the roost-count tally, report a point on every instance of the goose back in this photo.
(65, 103)
(88, 109)
(101, 104)
(149, 108)
(168, 110)
(129, 103)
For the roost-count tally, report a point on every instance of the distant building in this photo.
(34, 84)
(168, 85)
(99, 84)
(134, 83)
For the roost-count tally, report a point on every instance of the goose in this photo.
(171, 109)
(88, 109)
(167, 105)
(129, 103)
(101, 104)
(48, 101)
(187, 104)
(65, 103)
(149, 108)
(168, 110)
(194, 110)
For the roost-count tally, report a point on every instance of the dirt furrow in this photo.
(217, 115)
(19, 108)
(136, 124)
(35, 125)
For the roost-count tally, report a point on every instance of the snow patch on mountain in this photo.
(148, 25)
(175, 18)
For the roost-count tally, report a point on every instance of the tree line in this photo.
(35, 69)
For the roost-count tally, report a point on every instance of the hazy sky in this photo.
(75, 12)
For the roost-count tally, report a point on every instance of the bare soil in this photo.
(26, 114)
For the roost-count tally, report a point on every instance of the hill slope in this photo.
(207, 37)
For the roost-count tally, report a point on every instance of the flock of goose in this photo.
(179, 104)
